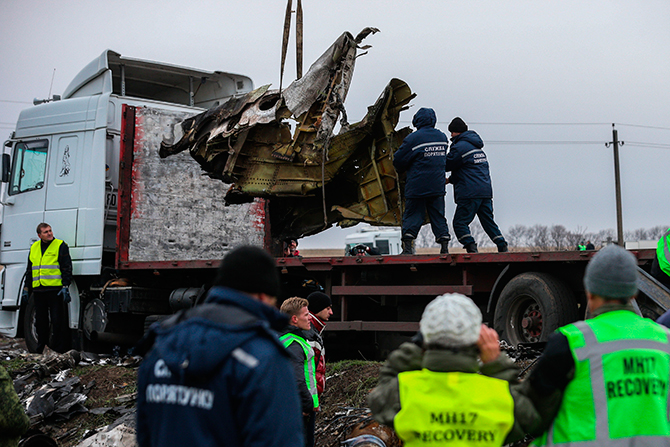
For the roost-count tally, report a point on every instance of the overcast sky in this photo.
(541, 82)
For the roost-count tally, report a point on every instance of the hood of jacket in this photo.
(424, 117)
(469, 136)
(192, 345)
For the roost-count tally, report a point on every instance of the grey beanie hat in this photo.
(612, 273)
(451, 320)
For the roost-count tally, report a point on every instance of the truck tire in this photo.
(532, 306)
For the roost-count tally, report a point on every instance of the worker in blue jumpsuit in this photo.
(422, 155)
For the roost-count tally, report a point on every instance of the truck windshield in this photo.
(29, 167)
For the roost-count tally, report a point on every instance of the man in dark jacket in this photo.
(320, 310)
(422, 155)
(48, 277)
(473, 193)
(217, 373)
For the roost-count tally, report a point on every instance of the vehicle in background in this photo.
(385, 240)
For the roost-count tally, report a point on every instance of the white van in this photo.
(386, 240)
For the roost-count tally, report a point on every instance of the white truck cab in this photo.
(386, 240)
(61, 164)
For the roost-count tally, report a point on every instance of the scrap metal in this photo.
(281, 145)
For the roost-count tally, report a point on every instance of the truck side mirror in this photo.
(6, 167)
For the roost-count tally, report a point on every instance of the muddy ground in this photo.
(90, 400)
(110, 386)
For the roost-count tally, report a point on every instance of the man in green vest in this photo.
(439, 394)
(612, 369)
(660, 268)
(48, 276)
(302, 356)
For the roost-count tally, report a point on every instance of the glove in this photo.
(417, 339)
(24, 295)
(66, 295)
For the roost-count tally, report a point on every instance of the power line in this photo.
(543, 142)
(549, 124)
(522, 124)
(644, 127)
(648, 145)
(543, 124)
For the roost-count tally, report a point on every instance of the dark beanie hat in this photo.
(612, 273)
(318, 301)
(249, 269)
(457, 125)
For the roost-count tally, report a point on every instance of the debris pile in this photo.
(86, 400)
(63, 406)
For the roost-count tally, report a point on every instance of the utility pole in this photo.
(617, 185)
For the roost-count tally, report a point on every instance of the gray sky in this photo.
(513, 70)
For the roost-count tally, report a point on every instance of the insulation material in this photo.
(177, 213)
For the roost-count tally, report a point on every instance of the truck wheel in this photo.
(29, 325)
(532, 306)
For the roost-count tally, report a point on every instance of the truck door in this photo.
(23, 199)
(25, 195)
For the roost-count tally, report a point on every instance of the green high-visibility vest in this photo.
(310, 368)
(45, 267)
(619, 393)
(453, 408)
(663, 252)
(581, 247)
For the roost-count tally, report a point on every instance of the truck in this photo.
(87, 164)
(146, 233)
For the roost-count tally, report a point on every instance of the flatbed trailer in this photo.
(525, 296)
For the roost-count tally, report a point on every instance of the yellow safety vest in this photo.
(46, 270)
(663, 252)
(619, 394)
(453, 408)
(310, 367)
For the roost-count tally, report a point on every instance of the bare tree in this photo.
(517, 236)
(656, 232)
(540, 236)
(558, 235)
(425, 238)
(639, 234)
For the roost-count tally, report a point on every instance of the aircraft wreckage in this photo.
(281, 145)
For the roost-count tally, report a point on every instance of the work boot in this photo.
(444, 245)
(471, 248)
(407, 247)
(502, 248)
